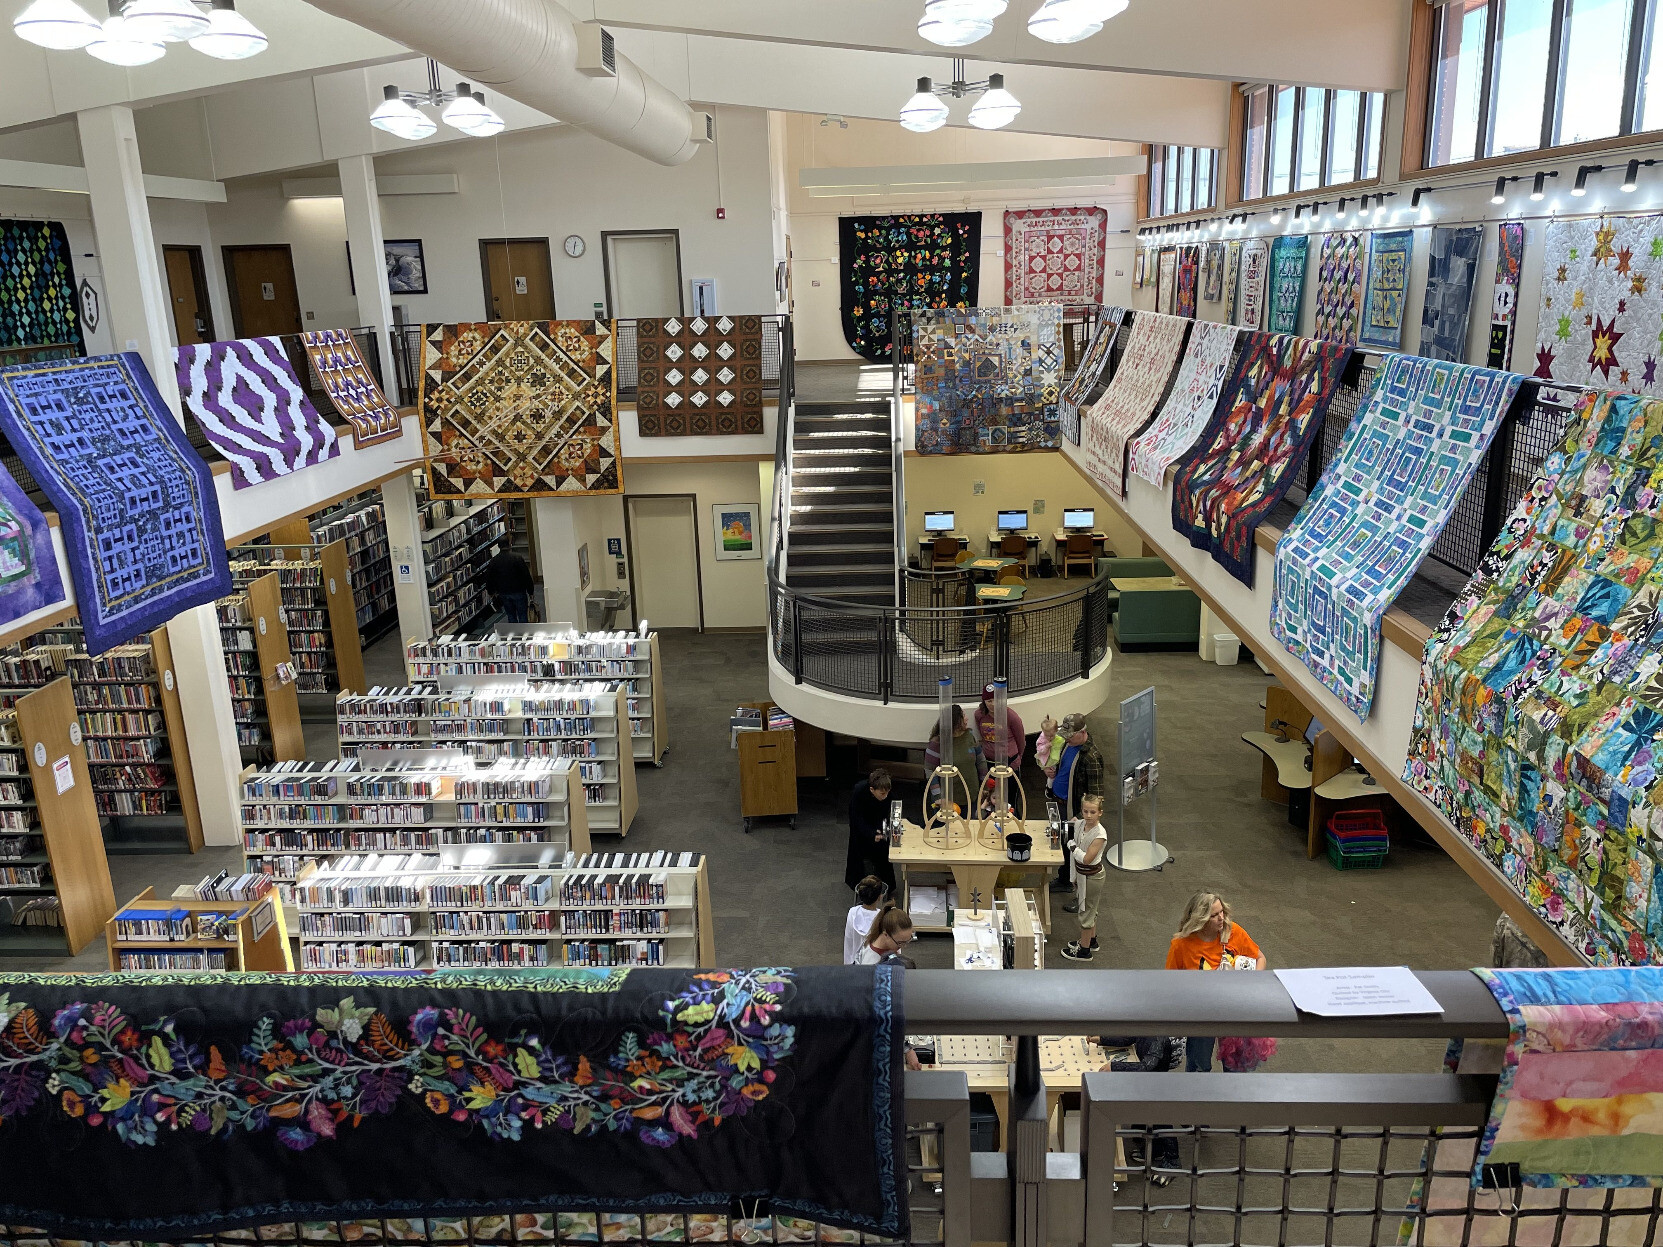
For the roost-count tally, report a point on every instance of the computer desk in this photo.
(994, 537)
(1059, 539)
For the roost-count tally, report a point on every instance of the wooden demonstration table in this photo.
(974, 859)
(986, 1062)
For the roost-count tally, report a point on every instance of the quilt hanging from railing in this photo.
(925, 260)
(351, 386)
(988, 379)
(1086, 376)
(247, 400)
(1127, 405)
(1190, 405)
(698, 376)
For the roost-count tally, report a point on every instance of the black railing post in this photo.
(796, 639)
(1088, 634)
(1498, 473)
(886, 654)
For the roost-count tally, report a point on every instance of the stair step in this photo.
(841, 434)
(856, 597)
(799, 531)
(839, 569)
(848, 407)
(818, 502)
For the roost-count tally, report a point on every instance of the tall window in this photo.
(1519, 75)
(1301, 138)
(1182, 179)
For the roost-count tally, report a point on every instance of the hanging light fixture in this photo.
(164, 21)
(997, 108)
(924, 111)
(230, 36)
(116, 44)
(135, 29)
(489, 122)
(958, 23)
(60, 25)
(1069, 21)
(400, 112)
(399, 118)
(464, 111)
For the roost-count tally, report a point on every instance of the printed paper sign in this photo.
(63, 775)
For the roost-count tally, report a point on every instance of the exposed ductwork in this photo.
(528, 50)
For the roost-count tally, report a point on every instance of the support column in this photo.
(210, 726)
(555, 523)
(404, 546)
(369, 269)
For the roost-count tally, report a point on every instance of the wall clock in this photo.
(574, 246)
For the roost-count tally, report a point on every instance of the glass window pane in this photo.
(1281, 156)
(1373, 132)
(1313, 113)
(1153, 208)
(1523, 28)
(1452, 135)
(1595, 56)
(1170, 203)
(1186, 178)
(1253, 150)
(1648, 110)
(1204, 177)
(1342, 146)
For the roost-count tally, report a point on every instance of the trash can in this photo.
(601, 607)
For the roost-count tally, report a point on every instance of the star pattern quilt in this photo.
(698, 375)
(1602, 304)
(1339, 286)
(1189, 270)
(1055, 255)
(247, 399)
(520, 409)
(1387, 287)
(351, 386)
(1504, 304)
(1408, 456)
(1539, 722)
(1287, 281)
(1086, 376)
(1257, 441)
(38, 303)
(1190, 404)
(1255, 282)
(1450, 271)
(988, 379)
(923, 260)
(1153, 345)
(140, 519)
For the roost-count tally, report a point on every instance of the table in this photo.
(1349, 783)
(1064, 1060)
(974, 864)
(994, 537)
(1149, 584)
(1000, 595)
(1059, 540)
(1290, 757)
(989, 564)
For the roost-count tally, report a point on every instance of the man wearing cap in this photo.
(1079, 771)
(1001, 742)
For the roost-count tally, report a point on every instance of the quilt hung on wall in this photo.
(1255, 282)
(1212, 272)
(988, 379)
(1287, 282)
(1602, 304)
(926, 260)
(1189, 405)
(38, 303)
(1504, 303)
(1407, 458)
(1259, 438)
(1086, 376)
(1386, 289)
(212, 1102)
(246, 398)
(518, 409)
(351, 386)
(1153, 345)
(1451, 269)
(1055, 255)
(1539, 721)
(1189, 271)
(698, 375)
(141, 525)
(1166, 281)
(1339, 286)
(1232, 279)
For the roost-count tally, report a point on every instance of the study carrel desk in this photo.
(960, 851)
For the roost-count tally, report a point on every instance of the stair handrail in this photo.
(897, 453)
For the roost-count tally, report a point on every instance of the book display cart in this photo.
(458, 541)
(604, 909)
(152, 933)
(438, 802)
(362, 524)
(264, 700)
(625, 659)
(488, 721)
(320, 610)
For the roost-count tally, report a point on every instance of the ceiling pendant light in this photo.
(116, 44)
(230, 35)
(489, 122)
(957, 23)
(924, 111)
(997, 108)
(60, 25)
(164, 21)
(1069, 21)
(399, 119)
(464, 111)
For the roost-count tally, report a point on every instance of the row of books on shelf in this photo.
(25, 876)
(416, 836)
(224, 886)
(32, 911)
(507, 700)
(481, 955)
(418, 880)
(16, 848)
(114, 803)
(205, 959)
(165, 923)
(544, 645)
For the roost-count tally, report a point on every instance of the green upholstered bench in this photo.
(1162, 617)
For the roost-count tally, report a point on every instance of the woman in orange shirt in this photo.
(1208, 940)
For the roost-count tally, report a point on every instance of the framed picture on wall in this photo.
(406, 267)
(583, 566)
(738, 529)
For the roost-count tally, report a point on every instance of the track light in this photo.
(1581, 187)
(1500, 197)
(1631, 175)
(1420, 191)
(1538, 184)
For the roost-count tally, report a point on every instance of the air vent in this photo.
(597, 55)
(704, 128)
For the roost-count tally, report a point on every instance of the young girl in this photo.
(1048, 747)
(891, 932)
(869, 895)
(1090, 841)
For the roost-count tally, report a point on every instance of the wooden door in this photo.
(643, 273)
(187, 286)
(264, 298)
(664, 560)
(519, 281)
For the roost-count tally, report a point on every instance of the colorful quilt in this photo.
(1407, 458)
(1166, 281)
(38, 303)
(1232, 279)
(140, 519)
(698, 376)
(211, 1101)
(1504, 305)
(1189, 269)
(1539, 720)
(1256, 443)
(1190, 403)
(1255, 282)
(1086, 376)
(1339, 286)
(1212, 272)
(1450, 270)
(927, 260)
(29, 575)
(1602, 304)
(1287, 281)
(1386, 289)
(247, 399)
(520, 409)
(988, 379)
(1138, 266)
(1055, 255)
(351, 386)
(1153, 346)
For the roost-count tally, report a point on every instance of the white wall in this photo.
(735, 592)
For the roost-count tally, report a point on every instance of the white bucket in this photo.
(1226, 648)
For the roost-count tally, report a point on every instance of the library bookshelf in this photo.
(362, 523)
(320, 610)
(458, 541)
(256, 938)
(258, 662)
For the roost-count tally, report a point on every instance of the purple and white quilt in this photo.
(249, 402)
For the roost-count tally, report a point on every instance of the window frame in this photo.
(1181, 162)
(1301, 119)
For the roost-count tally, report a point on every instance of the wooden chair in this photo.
(1015, 574)
(962, 557)
(1014, 546)
(1079, 552)
(944, 553)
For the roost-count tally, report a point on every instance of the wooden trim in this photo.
(706, 921)
(271, 647)
(1235, 147)
(1290, 198)
(1417, 94)
(1542, 155)
(312, 506)
(768, 458)
(606, 265)
(343, 617)
(577, 814)
(1140, 203)
(178, 748)
(1398, 627)
(629, 797)
(17, 632)
(294, 531)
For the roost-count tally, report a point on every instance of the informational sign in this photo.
(1137, 731)
(263, 919)
(406, 574)
(615, 546)
(63, 775)
(1358, 991)
(268, 292)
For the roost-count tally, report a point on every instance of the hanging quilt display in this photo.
(1137, 268)
(213, 1101)
(1451, 266)
(1189, 270)
(1166, 280)
(38, 301)
(1386, 289)
(29, 575)
(139, 516)
(1407, 458)
(1086, 376)
(988, 379)
(1189, 404)
(1212, 272)
(1055, 255)
(1539, 720)
(1255, 282)
(1504, 307)
(1232, 279)
(351, 386)
(1153, 346)
(1339, 286)
(1287, 282)
(246, 398)
(698, 376)
(1602, 304)
(520, 408)
(926, 260)
(1259, 438)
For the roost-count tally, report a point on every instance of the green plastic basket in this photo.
(1354, 861)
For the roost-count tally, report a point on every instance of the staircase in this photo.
(840, 541)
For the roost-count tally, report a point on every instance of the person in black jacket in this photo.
(1156, 1054)
(508, 580)
(868, 842)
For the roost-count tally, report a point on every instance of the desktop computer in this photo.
(1078, 519)
(1012, 521)
(938, 522)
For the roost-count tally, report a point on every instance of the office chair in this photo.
(1079, 552)
(944, 553)
(1014, 546)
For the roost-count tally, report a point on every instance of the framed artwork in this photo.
(406, 267)
(737, 526)
(583, 566)
(1137, 268)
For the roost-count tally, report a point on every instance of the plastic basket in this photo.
(1355, 861)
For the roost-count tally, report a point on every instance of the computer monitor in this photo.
(1078, 518)
(1315, 729)
(938, 522)
(1012, 521)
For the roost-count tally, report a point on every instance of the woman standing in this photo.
(869, 894)
(966, 754)
(891, 932)
(1091, 839)
(1207, 940)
